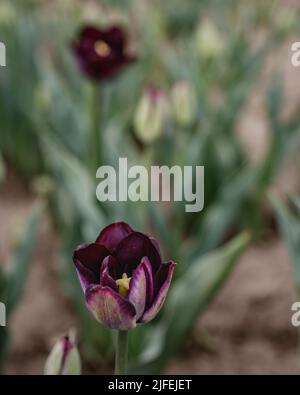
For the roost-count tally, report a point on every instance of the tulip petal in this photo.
(138, 289)
(116, 37)
(89, 34)
(107, 273)
(155, 243)
(149, 277)
(133, 248)
(113, 234)
(87, 259)
(110, 308)
(167, 269)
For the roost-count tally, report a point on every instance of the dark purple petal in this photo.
(151, 312)
(155, 243)
(149, 277)
(110, 308)
(107, 274)
(138, 289)
(133, 248)
(113, 234)
(116, 38)
(89, 34)
(90, 256)
(161, 275)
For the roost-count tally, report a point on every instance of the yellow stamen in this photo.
(123, 284)
(101, 48)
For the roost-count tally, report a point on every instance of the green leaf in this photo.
(295, 200)
(2, 169)
(22, 258)
(220, 216)
(4, 340)
(188, 297)
(76, 190)
(290, 229)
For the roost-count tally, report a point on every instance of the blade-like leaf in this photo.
(22, 258)
(222, 214)
(189, 296)
(290, 228)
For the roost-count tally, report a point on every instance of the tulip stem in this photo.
(95, 149)
(121, 352)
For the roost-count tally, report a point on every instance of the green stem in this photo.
(121, 352)
(94, 154)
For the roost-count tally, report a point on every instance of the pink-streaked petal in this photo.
(138, 289)
(110, 308)
(113, 234)
(90, 256)
(160, 296)
(107, 273)
(133, 248)
(149, 277)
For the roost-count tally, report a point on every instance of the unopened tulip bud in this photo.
(64, 358)
(285, 21)
(42, 97)
(151, 115)
(43, 185)
(8, 14)
(183, 99)
(208, 40)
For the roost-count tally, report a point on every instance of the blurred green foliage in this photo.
(13, 273)
(288, 215)
(220, 48)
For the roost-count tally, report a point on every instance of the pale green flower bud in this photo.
(42, 97)
(285, 20)
(43, 185)
(64, 358)
(8, 14)
(184, 103)
(209, 41)
(151, 115)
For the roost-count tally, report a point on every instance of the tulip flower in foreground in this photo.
(101, 53)
(123, 277)
(64, 358)
(124, 280)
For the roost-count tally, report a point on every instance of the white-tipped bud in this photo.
(151, 115)
(285, 20)
(209, 41)
(8, 14)
(43, 185)
(184, 103)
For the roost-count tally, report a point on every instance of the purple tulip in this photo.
(122, 276)
(101, 54)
